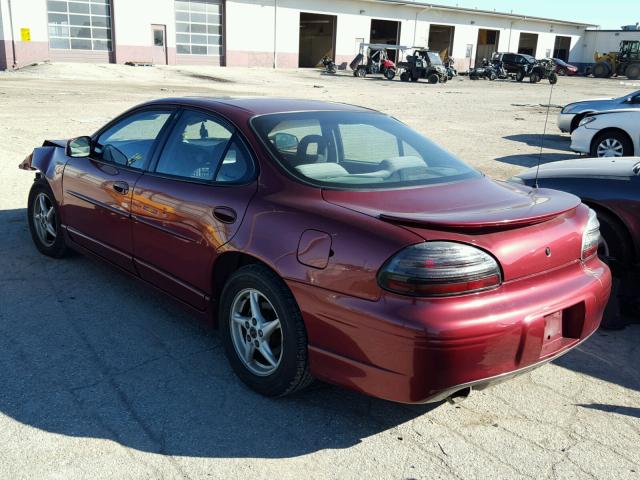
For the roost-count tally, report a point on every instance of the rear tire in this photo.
(611, 144)
(404, 77)
(414, 78)
(43, 216)
(275, 301)
(534, 77)
(360, 73)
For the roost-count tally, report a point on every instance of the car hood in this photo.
(472, 204)
(597, 103)
(586, 167)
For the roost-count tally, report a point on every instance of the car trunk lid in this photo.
(527, 230)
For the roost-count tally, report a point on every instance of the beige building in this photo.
(280, 33)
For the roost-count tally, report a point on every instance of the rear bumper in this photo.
(417, 351)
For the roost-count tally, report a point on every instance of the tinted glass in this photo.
(356, 150)
(195, 148)
(129, 141)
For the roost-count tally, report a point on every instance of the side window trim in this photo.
(171, 109)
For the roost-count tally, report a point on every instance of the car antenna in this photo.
(544, 132)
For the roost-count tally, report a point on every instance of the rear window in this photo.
(356, 150)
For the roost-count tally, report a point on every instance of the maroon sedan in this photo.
(327, 241)
(564, 68)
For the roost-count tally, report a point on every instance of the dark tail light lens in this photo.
(438, 269)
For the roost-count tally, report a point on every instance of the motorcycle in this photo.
(449, 65)
(329, 65)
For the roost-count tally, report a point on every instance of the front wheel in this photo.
(404, 77)
(361, 73)
(611, 144)
(553, 78)
(534, 77)
(44, 220)
(519, 75)
(263, 332)
(433, 78)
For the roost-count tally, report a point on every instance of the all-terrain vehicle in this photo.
(373, 59)
(540, 70)
(485, 71)
(423, 64)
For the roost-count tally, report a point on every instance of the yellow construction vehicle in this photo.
(624, 62)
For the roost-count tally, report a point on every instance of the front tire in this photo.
(553, 78)
(611, 144)
(519, 75)
(433, 78)
(263, 333)
(44, 220)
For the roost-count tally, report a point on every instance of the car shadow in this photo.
(550, 141)
(628, 411)
(86, 351)
(531, 159)
(612, 356)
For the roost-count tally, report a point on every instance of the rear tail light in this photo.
(591, 237)
(438, 269)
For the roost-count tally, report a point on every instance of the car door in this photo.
(190, 204)
(98, 189)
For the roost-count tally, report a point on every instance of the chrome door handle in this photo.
(225, 214)
(121, 187)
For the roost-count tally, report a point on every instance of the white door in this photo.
(159, 47)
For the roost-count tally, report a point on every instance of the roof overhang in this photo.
(512, 16)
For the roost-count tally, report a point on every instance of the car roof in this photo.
(252, 106)
(587, 167)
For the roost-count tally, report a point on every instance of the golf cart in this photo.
(372, 59)
(423, 64)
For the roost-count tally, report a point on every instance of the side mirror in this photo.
(79, 147)
(285, 141)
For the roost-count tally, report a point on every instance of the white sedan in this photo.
(615, 133)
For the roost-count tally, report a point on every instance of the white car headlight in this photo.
(586, 121)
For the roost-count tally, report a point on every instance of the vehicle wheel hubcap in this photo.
(44, 219)
(256, 332)
(610, 147)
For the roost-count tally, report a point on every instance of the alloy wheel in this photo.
(44, 219)
(610, 147)
(256, 332)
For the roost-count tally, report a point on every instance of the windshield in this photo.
(529, 58)
(434, 58)
(356, 150)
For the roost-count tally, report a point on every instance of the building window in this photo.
(199, 27)
(79, 24)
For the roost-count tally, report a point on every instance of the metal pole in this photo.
(13, 40)
(275, 33)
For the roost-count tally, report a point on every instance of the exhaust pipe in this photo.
(459, 396)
